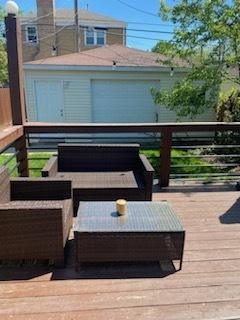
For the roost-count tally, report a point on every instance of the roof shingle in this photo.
(85, 17)
(105, 56)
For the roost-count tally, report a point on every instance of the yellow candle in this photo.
(121, 206)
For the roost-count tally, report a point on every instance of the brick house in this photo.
(52, 31)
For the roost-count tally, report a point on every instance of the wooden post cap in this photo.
(121, 206)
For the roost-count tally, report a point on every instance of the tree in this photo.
(165, 47)
(228, 107)
(211, 28)
(2, 14)
(3, 52)
(3, 64)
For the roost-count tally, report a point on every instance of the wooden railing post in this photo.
(22, 157)
(15, 71)
(165, 157)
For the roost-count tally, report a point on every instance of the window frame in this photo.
(27, 35)
(95, 37)
(86, 38)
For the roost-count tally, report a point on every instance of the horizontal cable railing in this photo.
(8, 158)
(208, 162)
(192, 158)
(182, 151)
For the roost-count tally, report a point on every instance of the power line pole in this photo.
(77, 25)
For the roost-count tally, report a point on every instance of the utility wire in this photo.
(128, 29)
(132, 36)
(38, 18)
(137, 9)
(152, 31)
(107, 32)
(70, 51)
(48, 36)
(53, 33)
(44, 16)
(108, 21)
(159, 57)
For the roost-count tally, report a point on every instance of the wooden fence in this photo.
(5, 108)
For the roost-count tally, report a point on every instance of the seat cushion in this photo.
(36, 204)
(4, 185)
(98, 180)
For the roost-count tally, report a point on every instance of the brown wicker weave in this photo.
(150, 231)
(35, 218)
(103, 172)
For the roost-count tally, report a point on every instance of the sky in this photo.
(116, 9)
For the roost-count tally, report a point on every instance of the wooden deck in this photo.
(208, 287)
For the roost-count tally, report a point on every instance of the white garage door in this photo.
(123, 101)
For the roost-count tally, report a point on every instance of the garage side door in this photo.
(49, 101)
(123, 101)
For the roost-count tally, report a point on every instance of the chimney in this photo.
(46, 27)
(46, 10)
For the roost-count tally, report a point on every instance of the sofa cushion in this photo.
(96, 157)
(34, 204)
(98, 180)
(4, 185)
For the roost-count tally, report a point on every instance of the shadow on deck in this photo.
(26, 270)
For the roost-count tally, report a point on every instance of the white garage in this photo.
(123, 101)
(103, 85)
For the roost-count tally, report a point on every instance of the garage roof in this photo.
(112, 55)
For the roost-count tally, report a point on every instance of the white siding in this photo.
(30, 99)
(76, 94)
(77, 101)
(123, 101)
(77, 91)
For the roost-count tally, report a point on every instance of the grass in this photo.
(185, 162)
(180, 164)
(36, 164)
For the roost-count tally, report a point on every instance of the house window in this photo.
(90, 38)
(31, 34)
(95, 37)
(100, 35)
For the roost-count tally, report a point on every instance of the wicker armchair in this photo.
(35, 218)
(103, 172)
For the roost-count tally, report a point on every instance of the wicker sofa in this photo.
(35, 218)
(103, 172)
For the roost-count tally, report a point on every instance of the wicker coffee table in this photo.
(149, 232)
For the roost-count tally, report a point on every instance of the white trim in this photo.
(85, 23)
(124, 38)
(101, 68)
(95, 44)
(93, 23)
(85, 39)
(26, 33)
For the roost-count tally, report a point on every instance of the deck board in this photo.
(208, 287)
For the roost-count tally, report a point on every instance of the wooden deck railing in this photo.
(166, 131)
(166, 142)
(5, 108)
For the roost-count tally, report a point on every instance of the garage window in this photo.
(95, 37)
